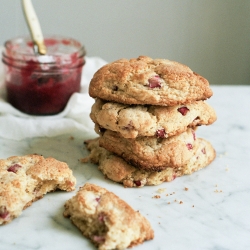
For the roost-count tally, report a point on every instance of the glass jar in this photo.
(42, 84)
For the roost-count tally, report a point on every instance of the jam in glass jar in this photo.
(42, 84)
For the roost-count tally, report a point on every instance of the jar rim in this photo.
(58, 48)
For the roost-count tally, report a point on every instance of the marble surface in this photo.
(209, 209)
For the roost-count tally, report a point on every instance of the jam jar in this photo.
(42, 84)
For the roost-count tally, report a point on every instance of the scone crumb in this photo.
(161, 190)
(181, 202)
(84, 160)
(218, 191)
(72, 138)
(157, 197)
(186, 189)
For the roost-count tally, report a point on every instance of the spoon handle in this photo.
(34, 26)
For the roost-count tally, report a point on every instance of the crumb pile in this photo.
(146, 113)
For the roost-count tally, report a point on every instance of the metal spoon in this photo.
(34, 27)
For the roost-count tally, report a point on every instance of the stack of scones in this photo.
(146, 113)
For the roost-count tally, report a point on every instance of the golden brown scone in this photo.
(151, 153)
(118, 170)
(149, 81)
(108, 221)
(133, 121)
(25, 179)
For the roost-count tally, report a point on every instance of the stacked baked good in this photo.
(146, 112)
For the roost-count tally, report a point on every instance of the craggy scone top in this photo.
(149, 81)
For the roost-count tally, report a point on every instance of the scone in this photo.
(133, 121)
(108, 221)
(118, 170)
(25, 179)
(149, 81)
(151, 153)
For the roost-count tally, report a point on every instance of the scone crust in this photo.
(133, 121)
(94, 207)
(25, 179)
(144, 80)
(118, 170)
(151, 153)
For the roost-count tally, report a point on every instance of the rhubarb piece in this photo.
(14, 168)
(137, 183)
(183, 110)
(154, 82)
(160, 133)
(4, 213)
(112, 224)
(194, 135)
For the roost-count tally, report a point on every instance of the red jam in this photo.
(42, 84)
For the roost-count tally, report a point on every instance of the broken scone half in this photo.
(25, 179)
(108, 221)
